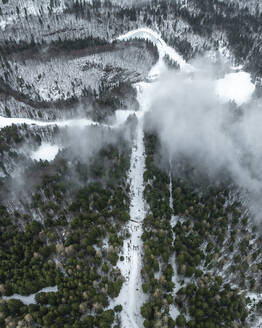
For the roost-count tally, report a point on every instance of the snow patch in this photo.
(46, 152)
(83, 122)
(30, 299)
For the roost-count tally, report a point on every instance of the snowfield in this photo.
(131, 296)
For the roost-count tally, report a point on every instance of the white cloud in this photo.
(214, 136)
(235, 86)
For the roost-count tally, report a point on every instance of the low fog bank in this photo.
(84, 143)
(195, 120)
(73, 153)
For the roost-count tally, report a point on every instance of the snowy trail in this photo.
(137, 215)
(163, 50)
(30, 299)
(8, 121)
(131, 296)
(174, 311)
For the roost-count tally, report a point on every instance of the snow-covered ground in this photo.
(131, 296)
(174, 311)
(255, 299)
(31, 298)
(46, 152)
(163, 49)
(26, 8)
(235, 86)
(51, 80)
(7, 121)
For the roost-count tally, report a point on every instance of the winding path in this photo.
(8, 121)
(131, 296)
(173, 309)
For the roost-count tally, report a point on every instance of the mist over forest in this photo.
(130, 164)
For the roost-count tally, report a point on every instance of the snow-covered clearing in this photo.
(46, 152)
(30, 299)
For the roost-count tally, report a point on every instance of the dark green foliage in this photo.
(157, 238)
(20, 251)
(10, 135)
(213, 304)
(204, 217)
(73, 233)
